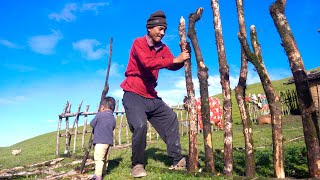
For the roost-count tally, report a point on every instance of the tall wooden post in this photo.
(203, 81)
(84, 131)
(226, 91)
(59, 127)
(306, 105)
(193, 142)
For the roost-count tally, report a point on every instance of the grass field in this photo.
(42, 148)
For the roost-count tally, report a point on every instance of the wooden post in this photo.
(150, 131)
(120, 130)
(127, 132)
(75, 130)
(84, 131)
(59, 127)
(67, 147)
(318, 91)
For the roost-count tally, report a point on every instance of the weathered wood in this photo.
(84, 130)
(71, 134)
(226, 90)
(193, 141)
(59, 127)
(306, 104)
(273, 100)
(46, 163)
(75, 128)
(57, 137)
(149, 131)
(240, 93)
(203, 81)
(120, 129)
(75, 114)
(29, 170)
(67, 146)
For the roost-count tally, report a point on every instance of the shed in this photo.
(314, 83)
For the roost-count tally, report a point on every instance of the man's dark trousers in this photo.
(140, 109)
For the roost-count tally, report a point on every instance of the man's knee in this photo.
(142, 126)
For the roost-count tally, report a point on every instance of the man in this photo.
(147, 56)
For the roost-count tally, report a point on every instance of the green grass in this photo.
(42, 148)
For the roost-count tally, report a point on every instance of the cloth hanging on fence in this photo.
(215, 112)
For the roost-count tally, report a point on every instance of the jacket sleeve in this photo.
(173, 66)
(145, 57)
(94, 122)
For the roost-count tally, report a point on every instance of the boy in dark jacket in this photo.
(103, 125)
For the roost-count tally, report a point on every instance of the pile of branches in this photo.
(48, 170)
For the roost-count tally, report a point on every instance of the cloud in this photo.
(115, 70)
(93, 6)
(87, 49)
(68, 13)
(8, 44)
(45, 44)
(12, 100)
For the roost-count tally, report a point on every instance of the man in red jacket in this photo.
(147, 56)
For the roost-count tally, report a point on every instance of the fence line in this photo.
(121, 138)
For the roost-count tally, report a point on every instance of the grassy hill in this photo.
(42, 148)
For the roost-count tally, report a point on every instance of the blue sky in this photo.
(52, 52)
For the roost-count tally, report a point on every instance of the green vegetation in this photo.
(42, 148)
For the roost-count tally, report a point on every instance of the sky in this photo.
(52, 52)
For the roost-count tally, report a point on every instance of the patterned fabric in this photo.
(215, 112)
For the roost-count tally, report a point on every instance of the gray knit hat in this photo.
(157, 19)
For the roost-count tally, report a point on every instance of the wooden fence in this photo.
(289, 101)
(122, 137)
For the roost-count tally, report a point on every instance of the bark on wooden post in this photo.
(226, 91)
(192, 111)
(59, 127)
(240, 92)
(307, 108)
(84, 131)
(120, 129)
(67, 147)
(273, 99)
(203, 81)
(75, 129)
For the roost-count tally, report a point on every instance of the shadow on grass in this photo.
(157, 155)
(113, 163)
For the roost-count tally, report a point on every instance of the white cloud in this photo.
(115, 70)
(93, 6)
(88, 49)
(45, 44)
(8, 44)
(68, 13)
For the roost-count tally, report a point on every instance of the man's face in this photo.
(156, 33)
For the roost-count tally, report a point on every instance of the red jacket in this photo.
(143, 67)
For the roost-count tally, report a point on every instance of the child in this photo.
(103, 125)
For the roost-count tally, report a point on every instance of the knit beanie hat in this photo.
(157, 19)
